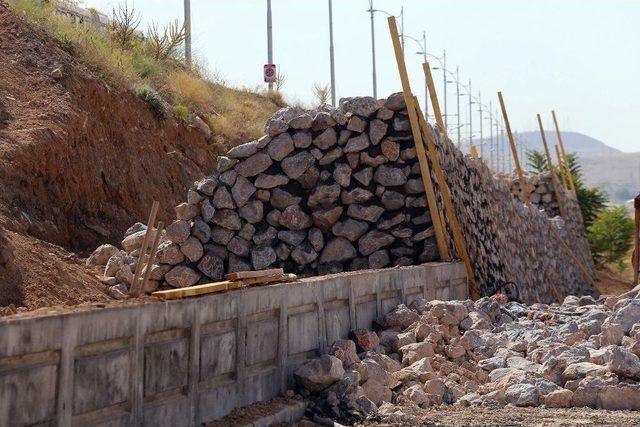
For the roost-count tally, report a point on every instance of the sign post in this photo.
(270, 74)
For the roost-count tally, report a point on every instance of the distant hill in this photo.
(615, 172)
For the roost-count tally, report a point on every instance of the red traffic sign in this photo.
(270, 73)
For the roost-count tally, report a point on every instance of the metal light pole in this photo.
(458, 102)
(269, 39)
(481, 123)
(187, 30)
(497, 123)
(373, 49)
(444, 76)
(423, 52)
(331, 59)
(491, 148)
(470, 117)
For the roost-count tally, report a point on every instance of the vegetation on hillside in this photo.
(150, 63)
(591, 199)
(611, 237)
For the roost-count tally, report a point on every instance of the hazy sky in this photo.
(579, 57)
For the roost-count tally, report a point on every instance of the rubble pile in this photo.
(539, 190)
(581, 353)
(324, 191)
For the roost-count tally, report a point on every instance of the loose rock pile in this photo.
(539, 190)
(324, 191)
(493, 353)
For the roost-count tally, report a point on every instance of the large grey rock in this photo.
(320, 373)
(221, 235)
(316, 239)
(178, 231)
(282, 199)
(266, 237)
(302, 139)
(192, 249)
(325, 218)
(181, 276)
(364, 106)
(270, 181)
(366, 213)
(243, 150)
(100, 256)
(207, 185)
(254, 165)
(364, 176)
(242, 191)
(392, 200)
(621, 361)
(224, 164)
(374, 240)
(303, 121)
(252, 212)
(342, 174)
(207, 210)
(222, 199)
(324, 195)
(351, 229)
(239, 246)
(280, 120)
(212, 266)
(377, 131)
(389, 176)
(627, 315)
(296, 165)
(522, 395)
(337, 250)
(262, 257)
(293, 238)
(356, 195)
(227, 218)
(331, 156)
(237, 264)
(201, 230)
(294, 218)
(280, 147)
(304, 254)
(357, 143)
(395, 102)
(326, 139)
(169, 253)
(357, 124)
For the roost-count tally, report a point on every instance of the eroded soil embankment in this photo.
(79, 162)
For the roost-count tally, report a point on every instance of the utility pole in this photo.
(497, 165)
(333, 65)
(426, 86)
(269, 39)
(402, 28)
(480, 111)
(501, 143)
(373, 49)
(458, 102)
(491, 147)
(187, 30)
(444, 81)
(470, 117)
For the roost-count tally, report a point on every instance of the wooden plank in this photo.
(135, 285)
(193, 291)
(564, 154)
(458, 238)
(253, 274)
(426, 68)
(554, 179)
(563, 168)
(514, 152)
(269, 279)
(441, 238)
(474, 152)
(152, 258)
(636, 252)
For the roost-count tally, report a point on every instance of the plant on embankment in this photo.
(611, 236)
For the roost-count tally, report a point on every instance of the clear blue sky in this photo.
(579, 57)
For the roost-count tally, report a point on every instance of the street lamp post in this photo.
(458, 102)
(331, 58)
(470, 117)
(481, 123)
(373, 41)
(269, 39)
(423, 52)
(491, 148)
(444, 82)
(187, 30)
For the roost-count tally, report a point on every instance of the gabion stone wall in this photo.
(324, 191)
(540, 192)
(510, 242)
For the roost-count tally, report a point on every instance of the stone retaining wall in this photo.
(190, 361)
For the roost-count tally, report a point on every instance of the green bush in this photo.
(181, 112)
(152, 98)
(611, 236)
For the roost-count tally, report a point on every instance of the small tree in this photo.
(280, 79)
(167, 44)
(611, 236)
(537, 161)
(321, 92)
(123, 26)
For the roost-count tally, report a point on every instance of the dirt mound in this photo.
(79, 162)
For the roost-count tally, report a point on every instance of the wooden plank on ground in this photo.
(193, 291)
(269, 279)
(253, 274)
(441, 238)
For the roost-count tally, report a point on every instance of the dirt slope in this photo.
(79, 163)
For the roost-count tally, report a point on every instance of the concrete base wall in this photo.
(190, 361)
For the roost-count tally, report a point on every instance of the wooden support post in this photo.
(563, 167)
(134, 290)
(554, 180)
(564, 154)
(636, 251)
(441, 238)
(577, 262)
(152, 258)
(434, 98)
(514, 152)
(474, 152)
(449, 208)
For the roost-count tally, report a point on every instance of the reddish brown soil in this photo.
(79, 163)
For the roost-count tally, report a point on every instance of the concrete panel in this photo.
(188, 362)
